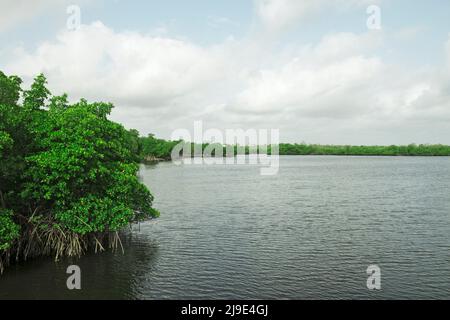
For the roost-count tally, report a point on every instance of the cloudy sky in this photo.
(311, 68)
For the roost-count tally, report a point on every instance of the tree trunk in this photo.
(2, 200)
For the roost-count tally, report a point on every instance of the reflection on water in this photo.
(105, 276)
(309, 232)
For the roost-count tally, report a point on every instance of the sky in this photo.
(314, 69)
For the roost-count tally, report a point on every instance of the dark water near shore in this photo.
(308, 233)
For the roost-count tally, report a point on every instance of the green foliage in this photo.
(9, 89)
(153, 148)
(410, 150)
(9, 230)
(65, 164)
(5, 142)
(85, 170)
(134, 143)
(34, 99)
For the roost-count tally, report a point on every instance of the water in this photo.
(308, 233)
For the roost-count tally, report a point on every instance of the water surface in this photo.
(308, 233)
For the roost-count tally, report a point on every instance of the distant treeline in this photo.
(151, 148)
(409, 150)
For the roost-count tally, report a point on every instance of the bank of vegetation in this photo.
(161, 149)
(68, 175)
(409, 150)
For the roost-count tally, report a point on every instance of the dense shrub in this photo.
(68, 174)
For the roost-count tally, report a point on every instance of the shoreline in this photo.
(158, 160)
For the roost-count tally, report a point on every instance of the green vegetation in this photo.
(161, 149)
(410, 150)
(152, 148)
(68, 175)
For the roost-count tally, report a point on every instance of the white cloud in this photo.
(300, 86)
(339, 86)
(334, 89)
(332, 68)
(128, 68)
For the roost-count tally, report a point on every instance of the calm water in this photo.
(309, 232)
